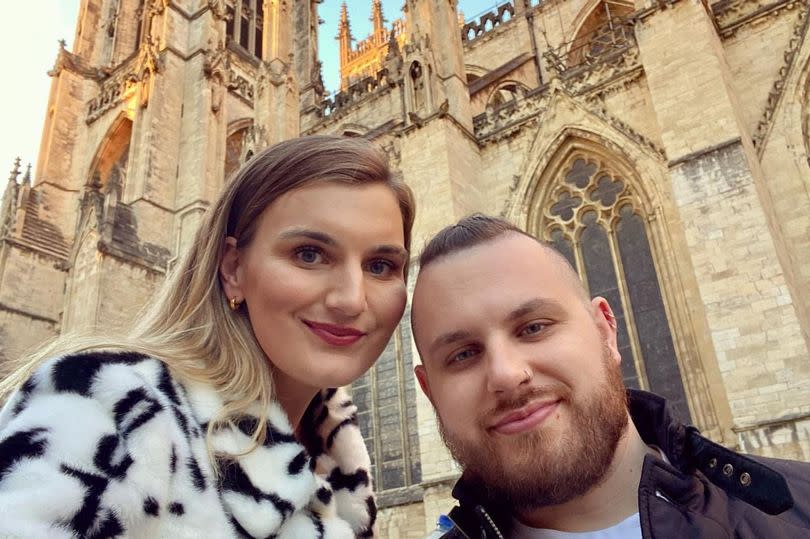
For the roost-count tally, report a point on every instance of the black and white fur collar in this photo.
(111, 444)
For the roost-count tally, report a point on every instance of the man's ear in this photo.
(607, 325)
(421, 375)
(230, 270)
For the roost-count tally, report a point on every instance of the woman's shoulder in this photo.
(99, 375)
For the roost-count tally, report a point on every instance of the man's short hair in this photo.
(470, 231)
(478, 228)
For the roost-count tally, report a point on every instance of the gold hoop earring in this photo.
(234, 303)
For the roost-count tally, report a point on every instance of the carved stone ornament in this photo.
(218, 8)
(158, 6)
(216, 62)
(75, 64)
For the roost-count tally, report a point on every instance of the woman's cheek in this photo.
(397, 298)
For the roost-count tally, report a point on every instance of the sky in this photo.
(28, 52)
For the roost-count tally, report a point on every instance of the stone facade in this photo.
(661, 145)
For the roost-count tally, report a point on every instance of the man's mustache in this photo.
(506, 405)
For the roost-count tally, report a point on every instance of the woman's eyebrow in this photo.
(391, 250)
(294, 233)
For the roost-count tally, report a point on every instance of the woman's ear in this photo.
(230, 273)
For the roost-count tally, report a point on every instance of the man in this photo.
(523, 372)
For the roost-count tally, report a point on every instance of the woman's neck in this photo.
(293, 397)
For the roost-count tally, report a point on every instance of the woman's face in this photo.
(322, 281)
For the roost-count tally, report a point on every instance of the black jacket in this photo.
(707, 491)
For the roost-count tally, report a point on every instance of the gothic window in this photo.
(245, 24)
(417, 76)
(386, 402)
(594, 219)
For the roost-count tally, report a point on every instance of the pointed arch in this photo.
(506, 92)
(418, 85)
(234, 145)
(597, 10)
(596, 29)
(113, 152)
(474, 72)
(590, 203)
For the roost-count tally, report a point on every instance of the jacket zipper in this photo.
(483, 512)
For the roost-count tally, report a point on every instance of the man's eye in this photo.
(464, 355)
(309, 255)
(531, 329)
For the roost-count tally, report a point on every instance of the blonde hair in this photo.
(189, 324)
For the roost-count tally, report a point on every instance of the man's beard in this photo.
(533, 470)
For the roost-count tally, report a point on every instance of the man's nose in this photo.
(507, 368)
(347, 293)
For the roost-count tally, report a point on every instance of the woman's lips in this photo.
(525, 418)
(335, 335)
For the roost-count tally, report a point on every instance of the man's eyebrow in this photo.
(449, 338)
(536, 304)
(294, 233)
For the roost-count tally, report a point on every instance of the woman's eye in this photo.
(531, 329)
(309, 255)
(381, 267)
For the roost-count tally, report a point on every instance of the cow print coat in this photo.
(111, 445)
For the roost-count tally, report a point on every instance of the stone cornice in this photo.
(731, 15)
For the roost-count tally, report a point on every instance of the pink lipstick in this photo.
(335, 335)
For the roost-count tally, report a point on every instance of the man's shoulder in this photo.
(797, 475)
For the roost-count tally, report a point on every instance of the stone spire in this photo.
(9, 201)
(27, 177)
(378, 21)
(344, 34)
(15, 171)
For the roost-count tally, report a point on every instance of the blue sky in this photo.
(359, 19)
(28, 52)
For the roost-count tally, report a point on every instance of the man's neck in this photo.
(606, 504)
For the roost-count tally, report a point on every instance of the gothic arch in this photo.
(474, 72)
(234, 145)
(591, 200)
(591, 12)
(112, 152)
(585, 27)
(418, 77)
(505, 92)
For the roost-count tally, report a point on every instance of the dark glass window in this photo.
(654, 336)
(594, 221)
(386, 413)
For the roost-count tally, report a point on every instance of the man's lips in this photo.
(333, 334)
(525, 418)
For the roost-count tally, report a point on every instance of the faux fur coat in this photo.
(112, 445)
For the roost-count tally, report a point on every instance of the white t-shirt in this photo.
(629, 528)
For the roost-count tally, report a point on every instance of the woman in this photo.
(214, 418)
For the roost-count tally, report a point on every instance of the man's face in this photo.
(522, 370)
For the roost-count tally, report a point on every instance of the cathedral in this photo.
(661, 145)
